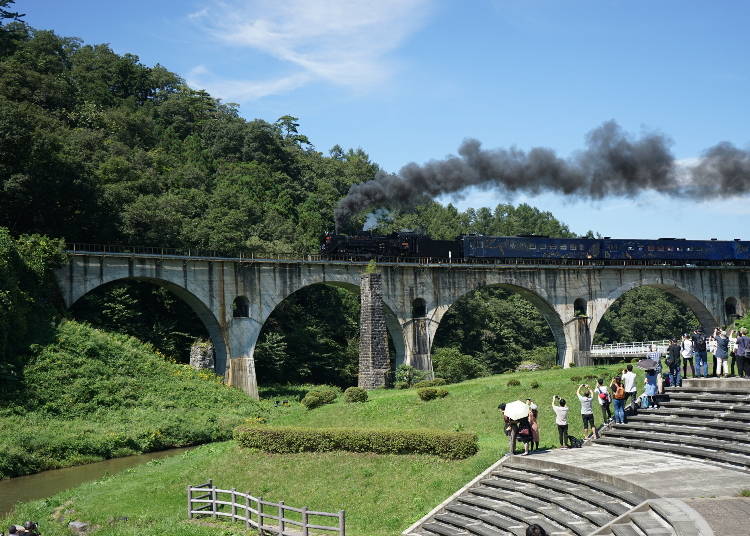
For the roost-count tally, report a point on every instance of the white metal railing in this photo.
(628, 348)
(256, 513)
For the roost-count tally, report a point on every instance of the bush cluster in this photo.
(401, 385)
(431, 393)
(534, 384)
(281, 439)
(408, 375)
(575, 378)
(513, 383)
(451, 364)
(430, 383)
(355, 394)
(319, 396)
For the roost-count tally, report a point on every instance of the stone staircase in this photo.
(712, 425)
(630, 482)
(520, 492)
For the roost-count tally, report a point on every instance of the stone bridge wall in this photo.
(210, 286)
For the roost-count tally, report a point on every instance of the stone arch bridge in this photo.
(235, 296)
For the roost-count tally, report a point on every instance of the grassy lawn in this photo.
(382, 495)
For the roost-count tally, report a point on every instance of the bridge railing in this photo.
(625, 349)
(265, 516)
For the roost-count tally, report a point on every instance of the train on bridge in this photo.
(536, 249)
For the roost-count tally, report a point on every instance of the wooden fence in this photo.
(266, 516)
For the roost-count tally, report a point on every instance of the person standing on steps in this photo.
(561, 420)
(687, 355)
(510, 427)
(674, 352)
(631, 390)
(619, 396)
(721, 354)
(587, 412)
(602, 394)
(742, 353)
(700, 352)
(534, 422)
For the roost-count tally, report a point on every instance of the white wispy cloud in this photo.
(343, 42)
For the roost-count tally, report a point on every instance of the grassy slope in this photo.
(381, 494)
(94, 395)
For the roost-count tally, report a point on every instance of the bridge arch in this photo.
(537, 296)
(209, 320)
(393, 325)
(701, 311)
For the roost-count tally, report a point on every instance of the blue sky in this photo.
(408, 80)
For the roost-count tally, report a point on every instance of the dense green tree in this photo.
(645, 314)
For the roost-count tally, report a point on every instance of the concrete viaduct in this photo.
(235, 296)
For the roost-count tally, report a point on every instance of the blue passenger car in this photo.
(529, 247)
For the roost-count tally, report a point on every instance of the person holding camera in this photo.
(602, 393)
(687, 355)
(561, 420)
(587, 413)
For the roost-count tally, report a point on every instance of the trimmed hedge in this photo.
(319, 396)
(355, 394)
(430, 393)
(430, 383)
(290, 439)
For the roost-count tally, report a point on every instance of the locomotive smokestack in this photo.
(613, 163)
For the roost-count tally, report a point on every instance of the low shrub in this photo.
(325, 394)
(430, 393)
(575, 378)
(430, 383)
(534, 384)
(282, 439)
(589, 377)
(451, 364)
(745, 493)
(355, 394)
(513, 383)
(401, 385)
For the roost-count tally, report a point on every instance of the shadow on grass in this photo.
(286, 392)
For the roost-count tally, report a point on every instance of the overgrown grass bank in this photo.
(92, 395)
(382, 494)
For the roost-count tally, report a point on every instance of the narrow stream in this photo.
(40, 485)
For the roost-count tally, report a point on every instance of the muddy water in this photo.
(40, 485)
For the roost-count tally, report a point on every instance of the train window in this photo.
(640, 248)
(532, 246)
(563, 247)
(630, 248)
(660, 248)
(553, 246)
(651, 248)
(677, 249)
(573, 247)
(687, 249)
(669, 248)
(542, 246)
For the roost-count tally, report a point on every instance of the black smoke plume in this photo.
(612, 164)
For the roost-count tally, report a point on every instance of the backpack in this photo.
(620, 392)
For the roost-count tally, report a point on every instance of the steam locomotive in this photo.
(535, 249)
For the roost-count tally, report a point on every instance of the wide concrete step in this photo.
(707, 405)
(696, 431)
(643, 443)
(680, 439)
(627, 497)
(517, 494)
(666, 418)
(708, 391)
(557, 492)
(702, 413)
(705, 396)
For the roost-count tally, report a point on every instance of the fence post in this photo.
(281, 517)
(305, 530)
(247, 510)
(213, 501)
(260, 515)
(190, 503)
(234, 504)
(342, 523)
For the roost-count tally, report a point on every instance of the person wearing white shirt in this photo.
(687, 355)
(631, 391)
